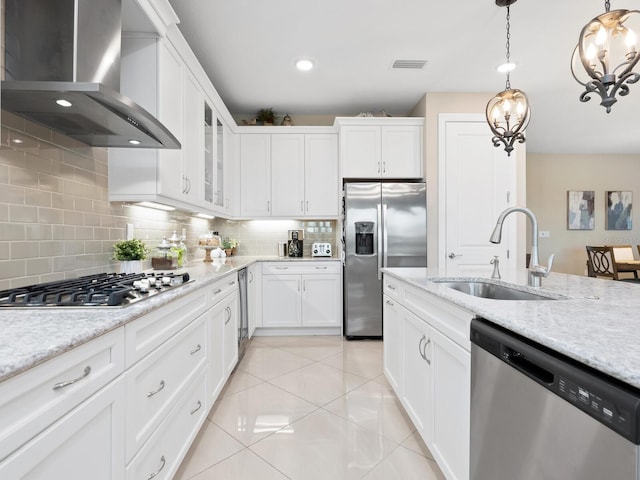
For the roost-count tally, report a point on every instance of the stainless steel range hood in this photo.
(62, 70)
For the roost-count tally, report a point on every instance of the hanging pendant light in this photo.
(508, 113)
(607, 52)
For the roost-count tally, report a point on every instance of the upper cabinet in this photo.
(197, 177)
(289, 175)
(381, 148)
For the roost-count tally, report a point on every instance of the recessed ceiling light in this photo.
(506, 67)
(64, 103)
(133, 141)
(304, 64)
(157, 206)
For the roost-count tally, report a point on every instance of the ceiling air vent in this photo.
(415, 64)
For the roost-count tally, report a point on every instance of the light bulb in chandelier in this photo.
(605, 60)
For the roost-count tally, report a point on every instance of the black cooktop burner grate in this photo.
(103, 289)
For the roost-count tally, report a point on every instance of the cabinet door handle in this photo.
(198, 407)
(424, 351)
(378, 167)
(161, 387)
(307, 205)
(228, 310)
(195, 350)
(250, 277)
(384, 167)
(422, 339)
(85, 373)
(155, 474)
(302, 206)
(391, 304)
(304, 285)
(268, 205)
(217, 291)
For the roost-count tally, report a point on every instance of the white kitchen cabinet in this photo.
(301, 294)
(381, 148)
(321, 180)
(192, 157)
(217, 178)
(435, 370)
(392, 332)
(231, 319)
(254, 296)
(88, 442)
(255, 171)
(289, 175)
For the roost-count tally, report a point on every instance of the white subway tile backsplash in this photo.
(23, 214)
(35, 163)
(12, 268)
(12, 231)
(38, 231)
(37, 198)
(24, 249)
(19, 176)
(50, 215)
(51, 248)
(39, 266)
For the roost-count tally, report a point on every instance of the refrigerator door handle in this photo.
(385, 244)
(379, 252)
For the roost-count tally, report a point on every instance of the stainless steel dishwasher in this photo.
(537, 415)
(243, 321)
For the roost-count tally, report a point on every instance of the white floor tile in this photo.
(375, 407)
(245, 465)
(211, 446)
(359, 360)
(267, 363)
(240, 381)
(415, 443)
(323, 446)
(257, 412)
(318, 383)
(406, 465)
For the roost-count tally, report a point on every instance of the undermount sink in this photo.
(491, 290)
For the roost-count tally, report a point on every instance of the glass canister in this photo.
(163, 258)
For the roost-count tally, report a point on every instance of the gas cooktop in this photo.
(100, 290)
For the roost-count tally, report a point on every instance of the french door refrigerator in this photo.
(385, 225)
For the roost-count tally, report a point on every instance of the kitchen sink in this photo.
(491, 290)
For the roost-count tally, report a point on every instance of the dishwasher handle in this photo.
(527, 366)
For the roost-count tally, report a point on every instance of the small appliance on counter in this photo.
(294, 244)
(319, 249)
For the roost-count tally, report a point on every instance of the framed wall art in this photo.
(580, 210)
(619, 205)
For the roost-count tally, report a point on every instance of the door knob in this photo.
(454, 255)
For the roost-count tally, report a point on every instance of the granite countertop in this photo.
(597, 322)
(30, 336)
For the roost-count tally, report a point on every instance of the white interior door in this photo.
(479, 182)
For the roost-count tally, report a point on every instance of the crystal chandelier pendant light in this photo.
(606, 55)
(508, 113)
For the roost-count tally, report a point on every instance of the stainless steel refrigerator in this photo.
(385, 225)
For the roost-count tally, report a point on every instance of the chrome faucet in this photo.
(536, 271)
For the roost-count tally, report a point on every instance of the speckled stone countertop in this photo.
(30, 336)
(598, 323)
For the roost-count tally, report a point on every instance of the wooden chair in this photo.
(621, 254)
(601, 264)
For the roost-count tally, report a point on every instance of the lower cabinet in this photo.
(88, 442)
(430, 372)
(301, 294)
(254, 296)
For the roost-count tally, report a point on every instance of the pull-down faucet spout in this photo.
(536, 271)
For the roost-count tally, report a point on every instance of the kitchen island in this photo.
(427, 346)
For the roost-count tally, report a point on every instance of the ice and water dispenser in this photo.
(364, 238)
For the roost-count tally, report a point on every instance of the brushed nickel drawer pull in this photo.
(155, 474)
(217, 291)
(282, 268)
(321, 268)
(198, 407)
(390, 303)
(390, 287)
(151, 394)
(58, 386)
(232, 283)
(196, 350)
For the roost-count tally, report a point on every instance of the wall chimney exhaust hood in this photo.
(62, 70)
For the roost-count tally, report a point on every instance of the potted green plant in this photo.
(229, 246)
(130, 253)
(266, 116)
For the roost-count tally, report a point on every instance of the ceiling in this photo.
(248, 48)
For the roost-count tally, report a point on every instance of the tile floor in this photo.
(307, 408)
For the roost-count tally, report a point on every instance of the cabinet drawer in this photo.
(169, 444)
(154, 383)
(393, 288)
(145, 334)
(300, 268)
(32, 401)
(222, 288)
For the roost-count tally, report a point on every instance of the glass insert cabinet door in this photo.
(213, 158)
